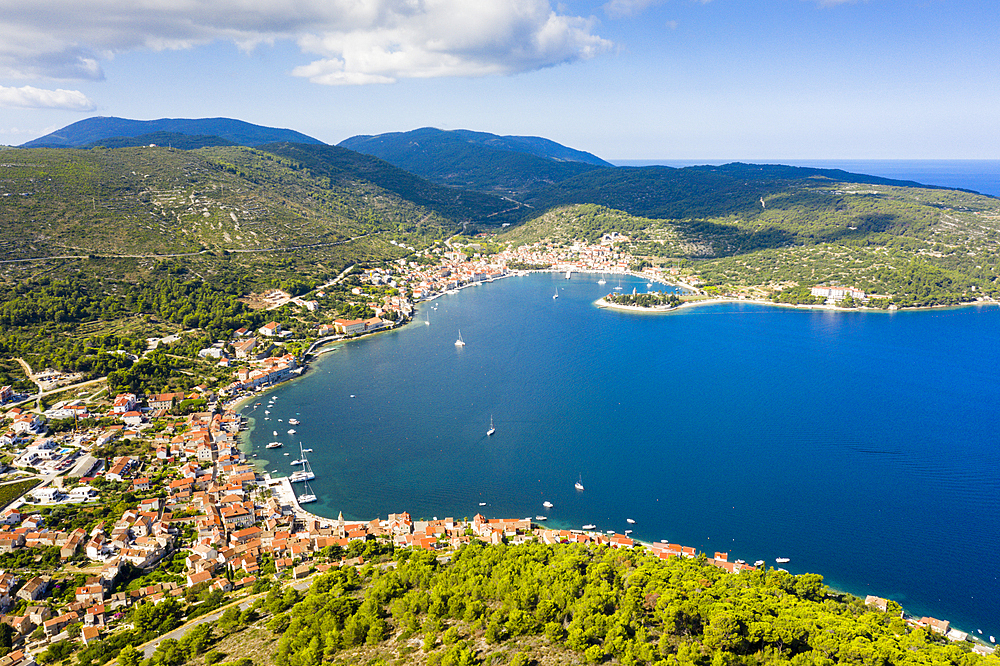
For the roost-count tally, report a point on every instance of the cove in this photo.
(861, 446)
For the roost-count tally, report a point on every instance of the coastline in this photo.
(719, 300)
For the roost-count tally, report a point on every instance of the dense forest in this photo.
(535, 603)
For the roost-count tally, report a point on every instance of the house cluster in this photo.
(264, 372)
(942, 627)
(19, 530)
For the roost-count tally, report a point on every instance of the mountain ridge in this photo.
(99, 128)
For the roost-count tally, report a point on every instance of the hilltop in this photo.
(478, 160)
(94, 131)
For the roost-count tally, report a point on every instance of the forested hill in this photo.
(102, 128)
(478, 160)
(548, 605)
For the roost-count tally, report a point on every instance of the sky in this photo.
(623, 79)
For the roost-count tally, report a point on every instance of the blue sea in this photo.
(862, 446)
(981, 176)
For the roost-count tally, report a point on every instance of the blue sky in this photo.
(624, 79)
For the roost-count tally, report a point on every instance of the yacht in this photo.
(296, 462)
(541, 518)
(492, 427)
(547, 504)
(460, 342)
(782, 560)
(273, 445)
(308, 496)
(291, 431)
(293, 422)
(589, 527)
(579, 484)
(306, 473)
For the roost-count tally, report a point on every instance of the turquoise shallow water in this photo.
(863, 446)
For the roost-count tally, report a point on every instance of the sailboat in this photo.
(619, 287)
(308, 496)
(579, 484)
(460, 342)
(556, 295)
(602, 280)
(306, 473)
(569, 274)
(492, 427)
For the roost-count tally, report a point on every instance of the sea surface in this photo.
(981, 176)
(862, 446)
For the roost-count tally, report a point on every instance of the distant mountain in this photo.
(344, 166)
(100, 129)
(513, 165)
(169, 139)
(699, 191)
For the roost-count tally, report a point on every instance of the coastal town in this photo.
(157, 498)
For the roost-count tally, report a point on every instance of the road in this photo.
(149, 648)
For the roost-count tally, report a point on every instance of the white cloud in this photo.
(28, 97)
(354, 41)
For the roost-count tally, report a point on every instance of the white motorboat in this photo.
(782, 560)
(273, 445)
(547, 504)
(589, 527)
(293, 421)
(541, 518)
(630, 521)
(291, 431)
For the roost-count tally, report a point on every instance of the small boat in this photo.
(297, 462)
(273, 445)
(492, 427)
(547, 504)
(460, 342)
(782, 560)
(482, 504)
(305, 450)
(293, 422)
(759, 563)
(274, 432)
(287, 453)
(267, 411)
(541, 518)
(630, 521)
(589, 527)
(291, 431)
(627, 532)
(579, 484)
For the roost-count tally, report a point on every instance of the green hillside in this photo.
(547, 605)
(477, 160)
(766, 229)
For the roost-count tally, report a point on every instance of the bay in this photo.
(862, 446)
